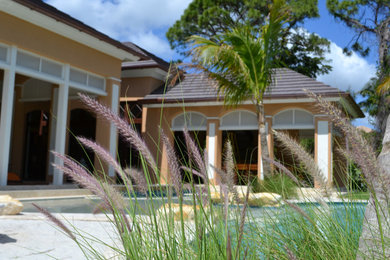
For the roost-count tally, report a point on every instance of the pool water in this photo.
(88, 205)
(272, 228)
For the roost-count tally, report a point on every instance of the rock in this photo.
(264, 199)
(188, 211)
(9, 206)
(216, 197)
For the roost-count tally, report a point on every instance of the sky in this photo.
(145, 23)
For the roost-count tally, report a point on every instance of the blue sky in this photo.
(145, 23)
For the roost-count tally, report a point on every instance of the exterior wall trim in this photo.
(49, 78)
(221, 103)
(57, 27)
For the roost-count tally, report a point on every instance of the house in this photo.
(195, 104)
(47, 57)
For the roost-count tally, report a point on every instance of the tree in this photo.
(303, 51)
(366, 18)
(370, 19)
(242, 61)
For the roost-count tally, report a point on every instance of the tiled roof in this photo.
(198, 87)
(149, 60)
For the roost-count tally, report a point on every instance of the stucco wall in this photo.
(152, 118)
(136, 88)
(48, 44)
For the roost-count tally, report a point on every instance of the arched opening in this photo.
(299, 124)
(241, 128)
(128, 156)
(36, 146)
(196, 123)
(81, 123)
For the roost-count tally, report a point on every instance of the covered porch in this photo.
(40, 112)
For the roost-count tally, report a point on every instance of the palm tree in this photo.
(242, 61)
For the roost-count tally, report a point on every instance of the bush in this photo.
(277, 183)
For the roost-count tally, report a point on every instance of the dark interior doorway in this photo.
(36, 146)
(244, 144)
(181, 151)
(82, 123)
(305, 137)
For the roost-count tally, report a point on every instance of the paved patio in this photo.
(30, 236)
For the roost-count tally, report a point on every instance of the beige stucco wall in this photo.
(136, 88)
(152, 118)
(48, 44)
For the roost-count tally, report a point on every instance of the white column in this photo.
(53, 123)
(7, 105)
(323, 148)
(60, 129)
(211, 150)
(113, 133)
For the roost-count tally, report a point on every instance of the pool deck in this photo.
(31, 236)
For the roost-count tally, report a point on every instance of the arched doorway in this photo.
(36, 146)
(299, 124)
(196, 123)
(241, 128)
(81, 123)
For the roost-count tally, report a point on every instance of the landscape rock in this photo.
(9, 205)
(264, 199)
(216, 197)
(188, 211)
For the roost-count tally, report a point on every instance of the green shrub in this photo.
(277, 183)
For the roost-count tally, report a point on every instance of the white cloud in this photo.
(143, 22)
(349, 72)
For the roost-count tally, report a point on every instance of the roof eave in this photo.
(70, 28)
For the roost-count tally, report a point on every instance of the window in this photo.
(239, 120)
(193, 121)
(293, 119)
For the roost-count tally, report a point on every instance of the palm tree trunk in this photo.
(263, 139)
(374, 240)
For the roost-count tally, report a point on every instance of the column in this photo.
(54, 111)
(260, 171)
(323, 148)
(106, 134)
(214, 149)
(211, 150)
(270, 139)
(7, 104)
(61, 104)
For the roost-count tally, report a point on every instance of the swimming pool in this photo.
(88, 204)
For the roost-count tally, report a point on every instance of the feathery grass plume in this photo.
(172, 164)
(225, 198)
(139, 178)
(123, 127)
(56, 221)
(194, 153)
(224, 182)
(304, 157)
(229, 165)
(106, 156)
(301, 212)
(283, 169)
(185, 168)
(361, 152)
(80, 175)
(107, 193)
(116, 199)
(290, 254)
